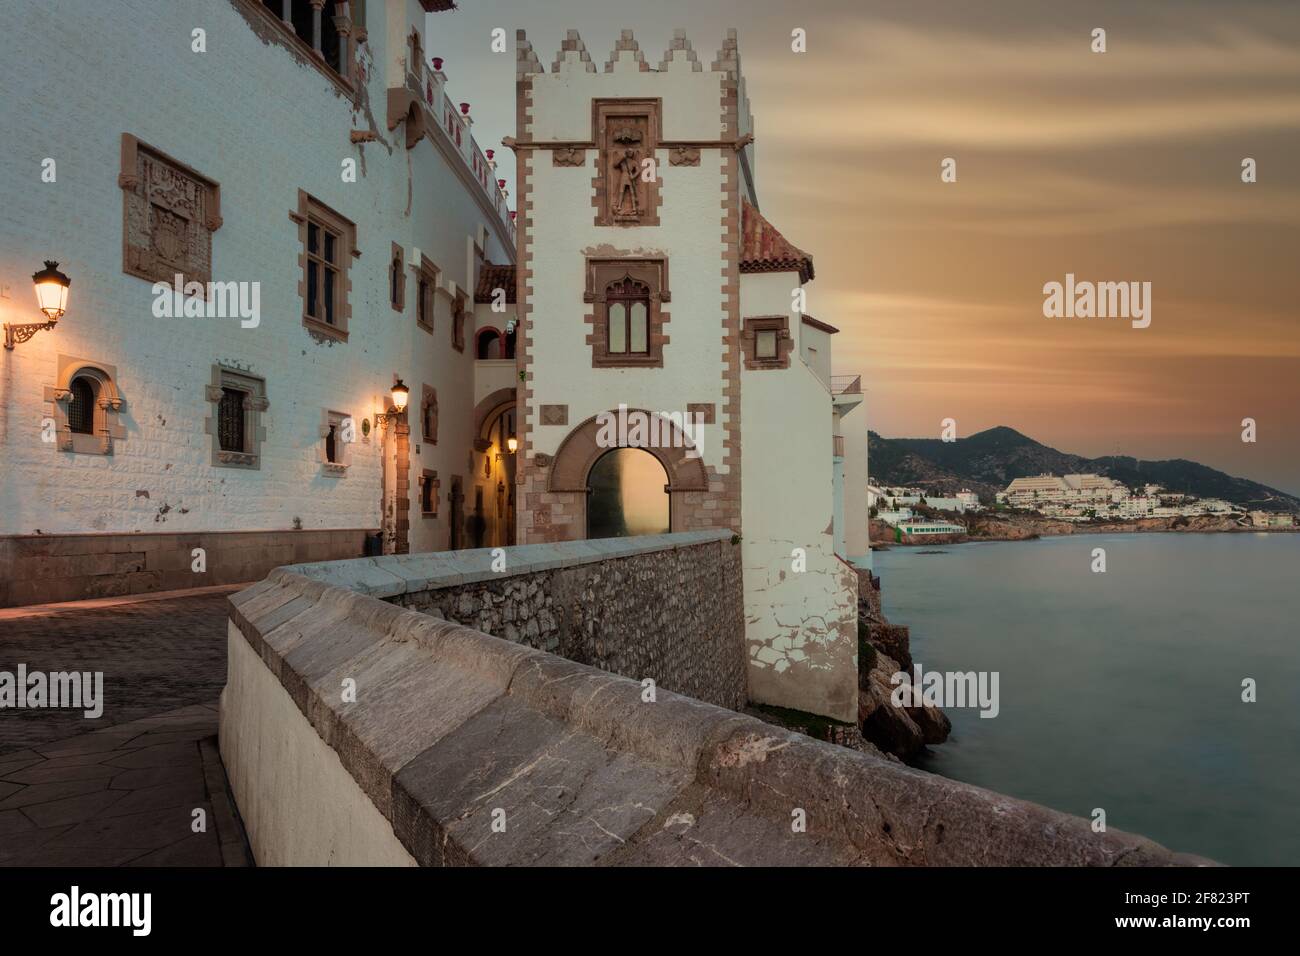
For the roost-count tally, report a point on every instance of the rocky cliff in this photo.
(884, 649)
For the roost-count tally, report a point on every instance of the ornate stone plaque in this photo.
(169, 215)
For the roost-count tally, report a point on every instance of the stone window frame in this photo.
(426, 269)
(342, 449)
(108, 404)
(287, 36)
(428, 402)
(397, 271)
(602, 109)
(600, 274)
(310, 209)
(255, 403)
(128, 180)
(430, 487)
(780, 324)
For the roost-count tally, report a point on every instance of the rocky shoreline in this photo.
(884, 649)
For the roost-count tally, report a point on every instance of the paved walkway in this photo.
(157, 653)
(121, 789)
(122, 796)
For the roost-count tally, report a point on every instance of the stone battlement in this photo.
(573, 55)
(356, 731)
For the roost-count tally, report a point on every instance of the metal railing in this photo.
(846, 384)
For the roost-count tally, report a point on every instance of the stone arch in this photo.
(486, 411)
(579, 451)
(108, 403)
(404, 107)
(482, 335)
(688, 480)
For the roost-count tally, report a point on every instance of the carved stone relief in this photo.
(169, 214)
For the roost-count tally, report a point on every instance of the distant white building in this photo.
(1264, 519)
(1070, 489)
(1139, 506)
(922, 526)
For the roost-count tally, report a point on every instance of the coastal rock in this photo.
(892, 640)
(933, 722)
(888, 727)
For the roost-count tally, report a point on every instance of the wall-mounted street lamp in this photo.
(401, 394)
(512, 444)
(51, 298)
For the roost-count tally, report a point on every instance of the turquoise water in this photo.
(1123, 690)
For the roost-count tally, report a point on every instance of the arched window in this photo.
(627, 311)
(81, 406)
(627, 495)
(489, 344)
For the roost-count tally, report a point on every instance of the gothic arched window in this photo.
(627, 495)
(627, 312)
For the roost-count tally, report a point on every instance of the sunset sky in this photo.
(1122, 166)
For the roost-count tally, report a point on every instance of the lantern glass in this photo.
(400, 395)
(51, 290)
(512, 444)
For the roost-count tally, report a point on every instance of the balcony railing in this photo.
(453, 125)
(846, 384)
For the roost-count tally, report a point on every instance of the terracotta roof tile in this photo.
(764, 249)
(493, 277)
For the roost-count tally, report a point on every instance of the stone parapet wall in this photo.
(48, 568)
(664, 607)
(451, 732)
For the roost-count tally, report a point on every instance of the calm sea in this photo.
(1123, 690)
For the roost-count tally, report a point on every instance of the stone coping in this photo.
(393, 574)
(452, 730)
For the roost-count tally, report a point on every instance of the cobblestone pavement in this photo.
(121, 789)
(156, 654)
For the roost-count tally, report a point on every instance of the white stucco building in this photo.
(651, 283)
(310, 174)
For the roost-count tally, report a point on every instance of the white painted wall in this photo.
(800, 625)
(300, 805)
(247, 115)
(690, 234)
(857, 521)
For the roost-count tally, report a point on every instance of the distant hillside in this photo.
(986, 462)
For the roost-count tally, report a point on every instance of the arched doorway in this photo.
(496, 459)
(627, 494)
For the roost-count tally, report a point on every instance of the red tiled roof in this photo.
(495, 277)
(764, 249)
